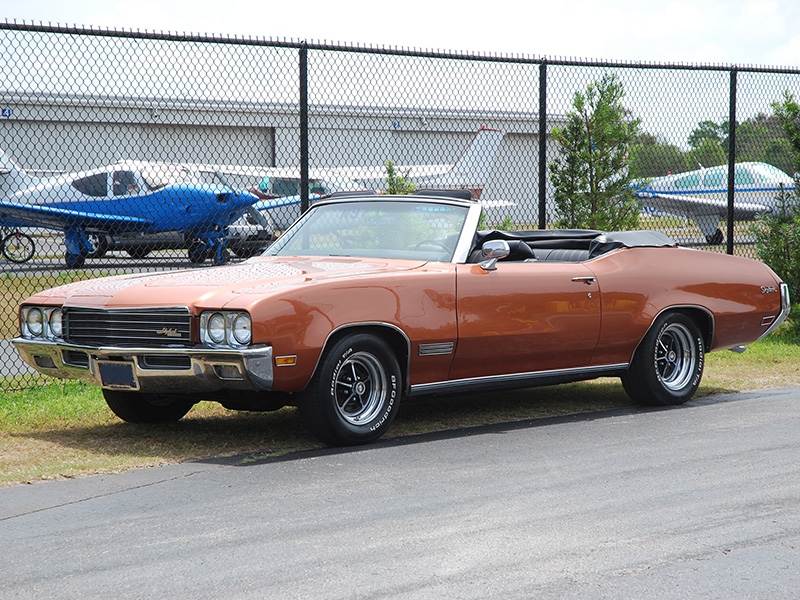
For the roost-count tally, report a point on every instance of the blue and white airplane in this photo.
(120, 199)
(114, 206)
(702, 196)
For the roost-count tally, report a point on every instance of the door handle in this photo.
(586, 280)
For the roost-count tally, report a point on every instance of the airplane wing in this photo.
(700, 205)
(282, 201)
(471, 169)
(38, 215)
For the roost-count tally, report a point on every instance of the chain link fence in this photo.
(128, 152)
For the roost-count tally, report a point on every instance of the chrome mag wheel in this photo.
(360, 388)
(675, 356)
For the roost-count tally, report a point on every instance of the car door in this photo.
(525, 317)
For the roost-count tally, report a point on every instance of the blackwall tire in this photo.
(354, 395)
(136, 407)
(668, 364)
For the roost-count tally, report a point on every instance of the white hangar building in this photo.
(52, 132)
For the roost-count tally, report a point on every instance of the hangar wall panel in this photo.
(57, 146)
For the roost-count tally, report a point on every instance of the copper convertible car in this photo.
(367, 301)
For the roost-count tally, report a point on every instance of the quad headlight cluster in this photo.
(226, 329)
(41, 323)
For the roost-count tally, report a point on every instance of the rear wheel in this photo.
(355, 393)
(668, 365)
(137, 407)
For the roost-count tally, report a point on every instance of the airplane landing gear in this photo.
(74, 261)
(209, 246)
(716, 238)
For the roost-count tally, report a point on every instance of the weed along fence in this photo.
(117, 147)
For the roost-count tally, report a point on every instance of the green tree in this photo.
(778, 240)
(591, 175)
(778, 233)
(788, 113)
(707, 131)
(707, 154)
(654, 157)
(778, 152)
(398, 184)
(751, 140)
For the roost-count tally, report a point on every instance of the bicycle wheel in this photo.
(18, 247)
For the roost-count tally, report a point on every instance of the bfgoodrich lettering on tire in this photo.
(668, 364)
(355, 392)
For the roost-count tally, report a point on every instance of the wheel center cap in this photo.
(360, 388)
(672, 357)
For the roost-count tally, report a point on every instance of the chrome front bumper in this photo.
(158, 370)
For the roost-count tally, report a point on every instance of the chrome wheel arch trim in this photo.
(709, 341)
(367, 325)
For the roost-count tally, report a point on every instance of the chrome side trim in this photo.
(531, 379)
(786, 307)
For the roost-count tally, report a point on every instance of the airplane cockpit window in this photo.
(690, 181)
(92, 185)
(159, 176)
(741, 176)
(125, 183)
(716, 177)
(285, 187)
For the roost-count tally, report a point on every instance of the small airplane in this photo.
(92, 206)
(279, 188)
(702, 196)
(137, 205)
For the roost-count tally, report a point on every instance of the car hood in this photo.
(218, 286)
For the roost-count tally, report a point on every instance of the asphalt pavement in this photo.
(700, 501)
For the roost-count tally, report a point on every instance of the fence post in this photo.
(303, 128)
(731, 158)
(543, 145)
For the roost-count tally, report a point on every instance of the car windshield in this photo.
(376, 229)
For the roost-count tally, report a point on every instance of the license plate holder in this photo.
(117, 375)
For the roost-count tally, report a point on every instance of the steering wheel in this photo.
(438, 243)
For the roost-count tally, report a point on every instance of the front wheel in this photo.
(137, 407)
(668, 365)
(355, 393)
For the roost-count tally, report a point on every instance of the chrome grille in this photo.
(148, 327)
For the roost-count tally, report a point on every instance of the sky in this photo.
(704, 32)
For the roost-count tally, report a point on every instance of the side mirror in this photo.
(492, 252)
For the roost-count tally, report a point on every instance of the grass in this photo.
(66, 430)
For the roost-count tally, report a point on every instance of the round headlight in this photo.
(242, 329)
(34, 321)
(54, 322)
(216, 328)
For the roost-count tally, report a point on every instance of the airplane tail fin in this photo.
(471, 171)
(12, 178)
